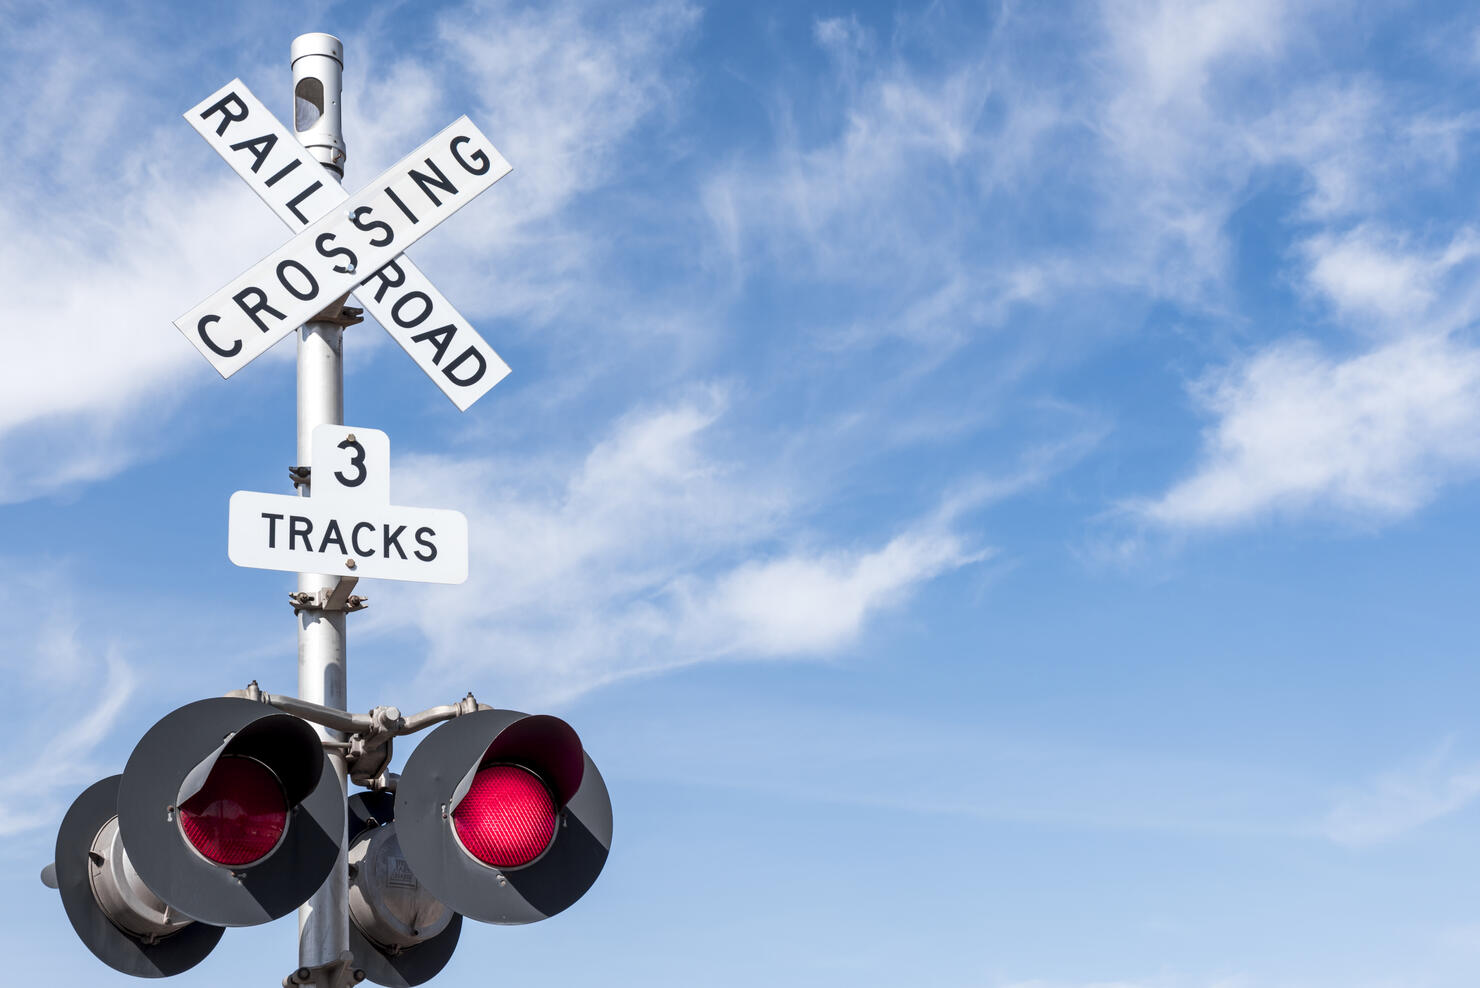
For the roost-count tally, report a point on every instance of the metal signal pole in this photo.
(318, 69)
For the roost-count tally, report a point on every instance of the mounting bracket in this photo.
(340, 973)
(335, 598)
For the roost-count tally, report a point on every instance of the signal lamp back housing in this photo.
(401, 935)
(119, 918)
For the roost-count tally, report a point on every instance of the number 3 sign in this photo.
(348, 526)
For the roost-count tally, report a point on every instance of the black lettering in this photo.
(356, 460)
(282, 277)
(401, 205)
(227, 117)
(391, 540)
(200, 328)
(385, 278)
(282, 172)
(293, 203)
(372, 225)
(354, 538)
(299, 527)
(345, 268)
(421, 316)
(272, 521)
(477, 375)
(259, 306)
(332, 534)
(438, 338)
(258, 147)
(478, 156)
(426, 183)
(422, 541)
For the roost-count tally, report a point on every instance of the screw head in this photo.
(350, 564)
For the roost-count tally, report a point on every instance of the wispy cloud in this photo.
(1403, 799)
(807, 603)
(98, 266)
(883, 194)
(72, 689)
(651, 552)
(1374, 423)
(562, 88)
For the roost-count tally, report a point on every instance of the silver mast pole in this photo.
(318, 68)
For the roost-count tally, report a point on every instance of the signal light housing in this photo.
(400, 934)
(122, 922)
(503, 816)
(229, 811)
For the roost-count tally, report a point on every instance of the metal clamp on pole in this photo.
(340, 314)
(339, 973)
(335, 598)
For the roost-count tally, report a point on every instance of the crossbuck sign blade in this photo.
(299, 189)
(333, 255)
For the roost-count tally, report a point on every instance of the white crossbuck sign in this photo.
(345, 243)
(348, 526)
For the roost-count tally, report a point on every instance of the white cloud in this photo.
(1368, 274)
(1201, 102)
(99, 264)
(807, 603)
(929, 189)
(68, 692)
(94, 366)
(1296, 429)
(55, 761)
(1403, 799)
(856, 197)
(561, 89)
(1172, 48)
(1373, 435)
(881, 190)
(1172, 155)
(648, 553)
(1359, 274)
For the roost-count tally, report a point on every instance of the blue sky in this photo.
(991, 484)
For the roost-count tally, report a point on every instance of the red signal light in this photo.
(508, 817)
(239, 815)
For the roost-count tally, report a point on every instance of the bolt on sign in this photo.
(347, 526)
(345, 243)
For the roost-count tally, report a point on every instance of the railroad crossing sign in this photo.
(345, 243)
(347, 526)
(232, 811)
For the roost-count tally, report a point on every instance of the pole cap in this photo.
(317, 43)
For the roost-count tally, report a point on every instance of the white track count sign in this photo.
(345, 243)
(348, 527)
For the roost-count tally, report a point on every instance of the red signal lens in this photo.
(507, 819)
(238, 815)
